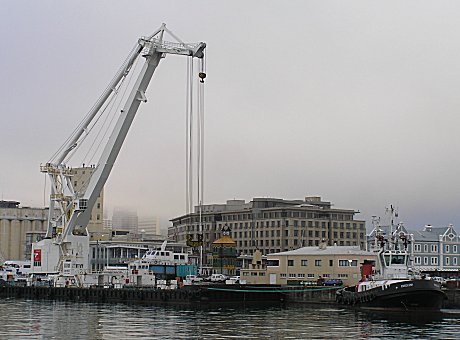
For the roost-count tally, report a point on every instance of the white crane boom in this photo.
(67, 241)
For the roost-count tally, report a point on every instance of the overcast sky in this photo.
(354, 101)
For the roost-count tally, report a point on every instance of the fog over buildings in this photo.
(357, 102)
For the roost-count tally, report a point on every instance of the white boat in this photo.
(17, 271)
(165, 257)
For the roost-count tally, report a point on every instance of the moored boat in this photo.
(394, 285)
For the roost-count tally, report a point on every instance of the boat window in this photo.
(387, 260)
(398, 259)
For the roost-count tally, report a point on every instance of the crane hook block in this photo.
(202, 75)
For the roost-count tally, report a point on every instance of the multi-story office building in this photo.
(149, 225)
(435, 250)
(125, 219)
(80, 181)
(271, 225)
(19, 227)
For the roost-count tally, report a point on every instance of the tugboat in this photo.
(394, 286)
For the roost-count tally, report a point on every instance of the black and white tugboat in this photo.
(393, 286)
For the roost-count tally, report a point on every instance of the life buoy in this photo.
(72, 281)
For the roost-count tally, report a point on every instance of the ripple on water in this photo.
(26, 319)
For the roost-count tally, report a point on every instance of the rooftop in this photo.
(332, 250)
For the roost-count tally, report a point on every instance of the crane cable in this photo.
(200, 139)
(193, 145)
(188, 137)
(112, 112)
(109, 111)
(75, 131)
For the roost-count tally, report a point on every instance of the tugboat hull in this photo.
(403, 295)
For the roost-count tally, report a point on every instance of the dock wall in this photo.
(192, 295)
(102, 295)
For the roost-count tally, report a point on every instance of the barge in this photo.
(188, 295)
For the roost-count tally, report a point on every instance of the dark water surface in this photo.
(27, 319)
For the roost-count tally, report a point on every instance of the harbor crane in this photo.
(65, 249)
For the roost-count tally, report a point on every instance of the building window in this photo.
(331, 263)
(304, 263)
(311, 275)
(454, 261)
(447, 261)
(283, 276)
(434, 248)
(454, 249)
(292, 276)
(344, 263)
(290, 263)
(418, 260)
(447, 248)
(301, 275)
(425, 248)
(425, 260)
(434, 260)
(418, 248)
(317, 263)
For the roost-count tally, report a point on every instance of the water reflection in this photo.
(62, 320)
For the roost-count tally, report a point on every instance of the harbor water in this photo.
(32, 319)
